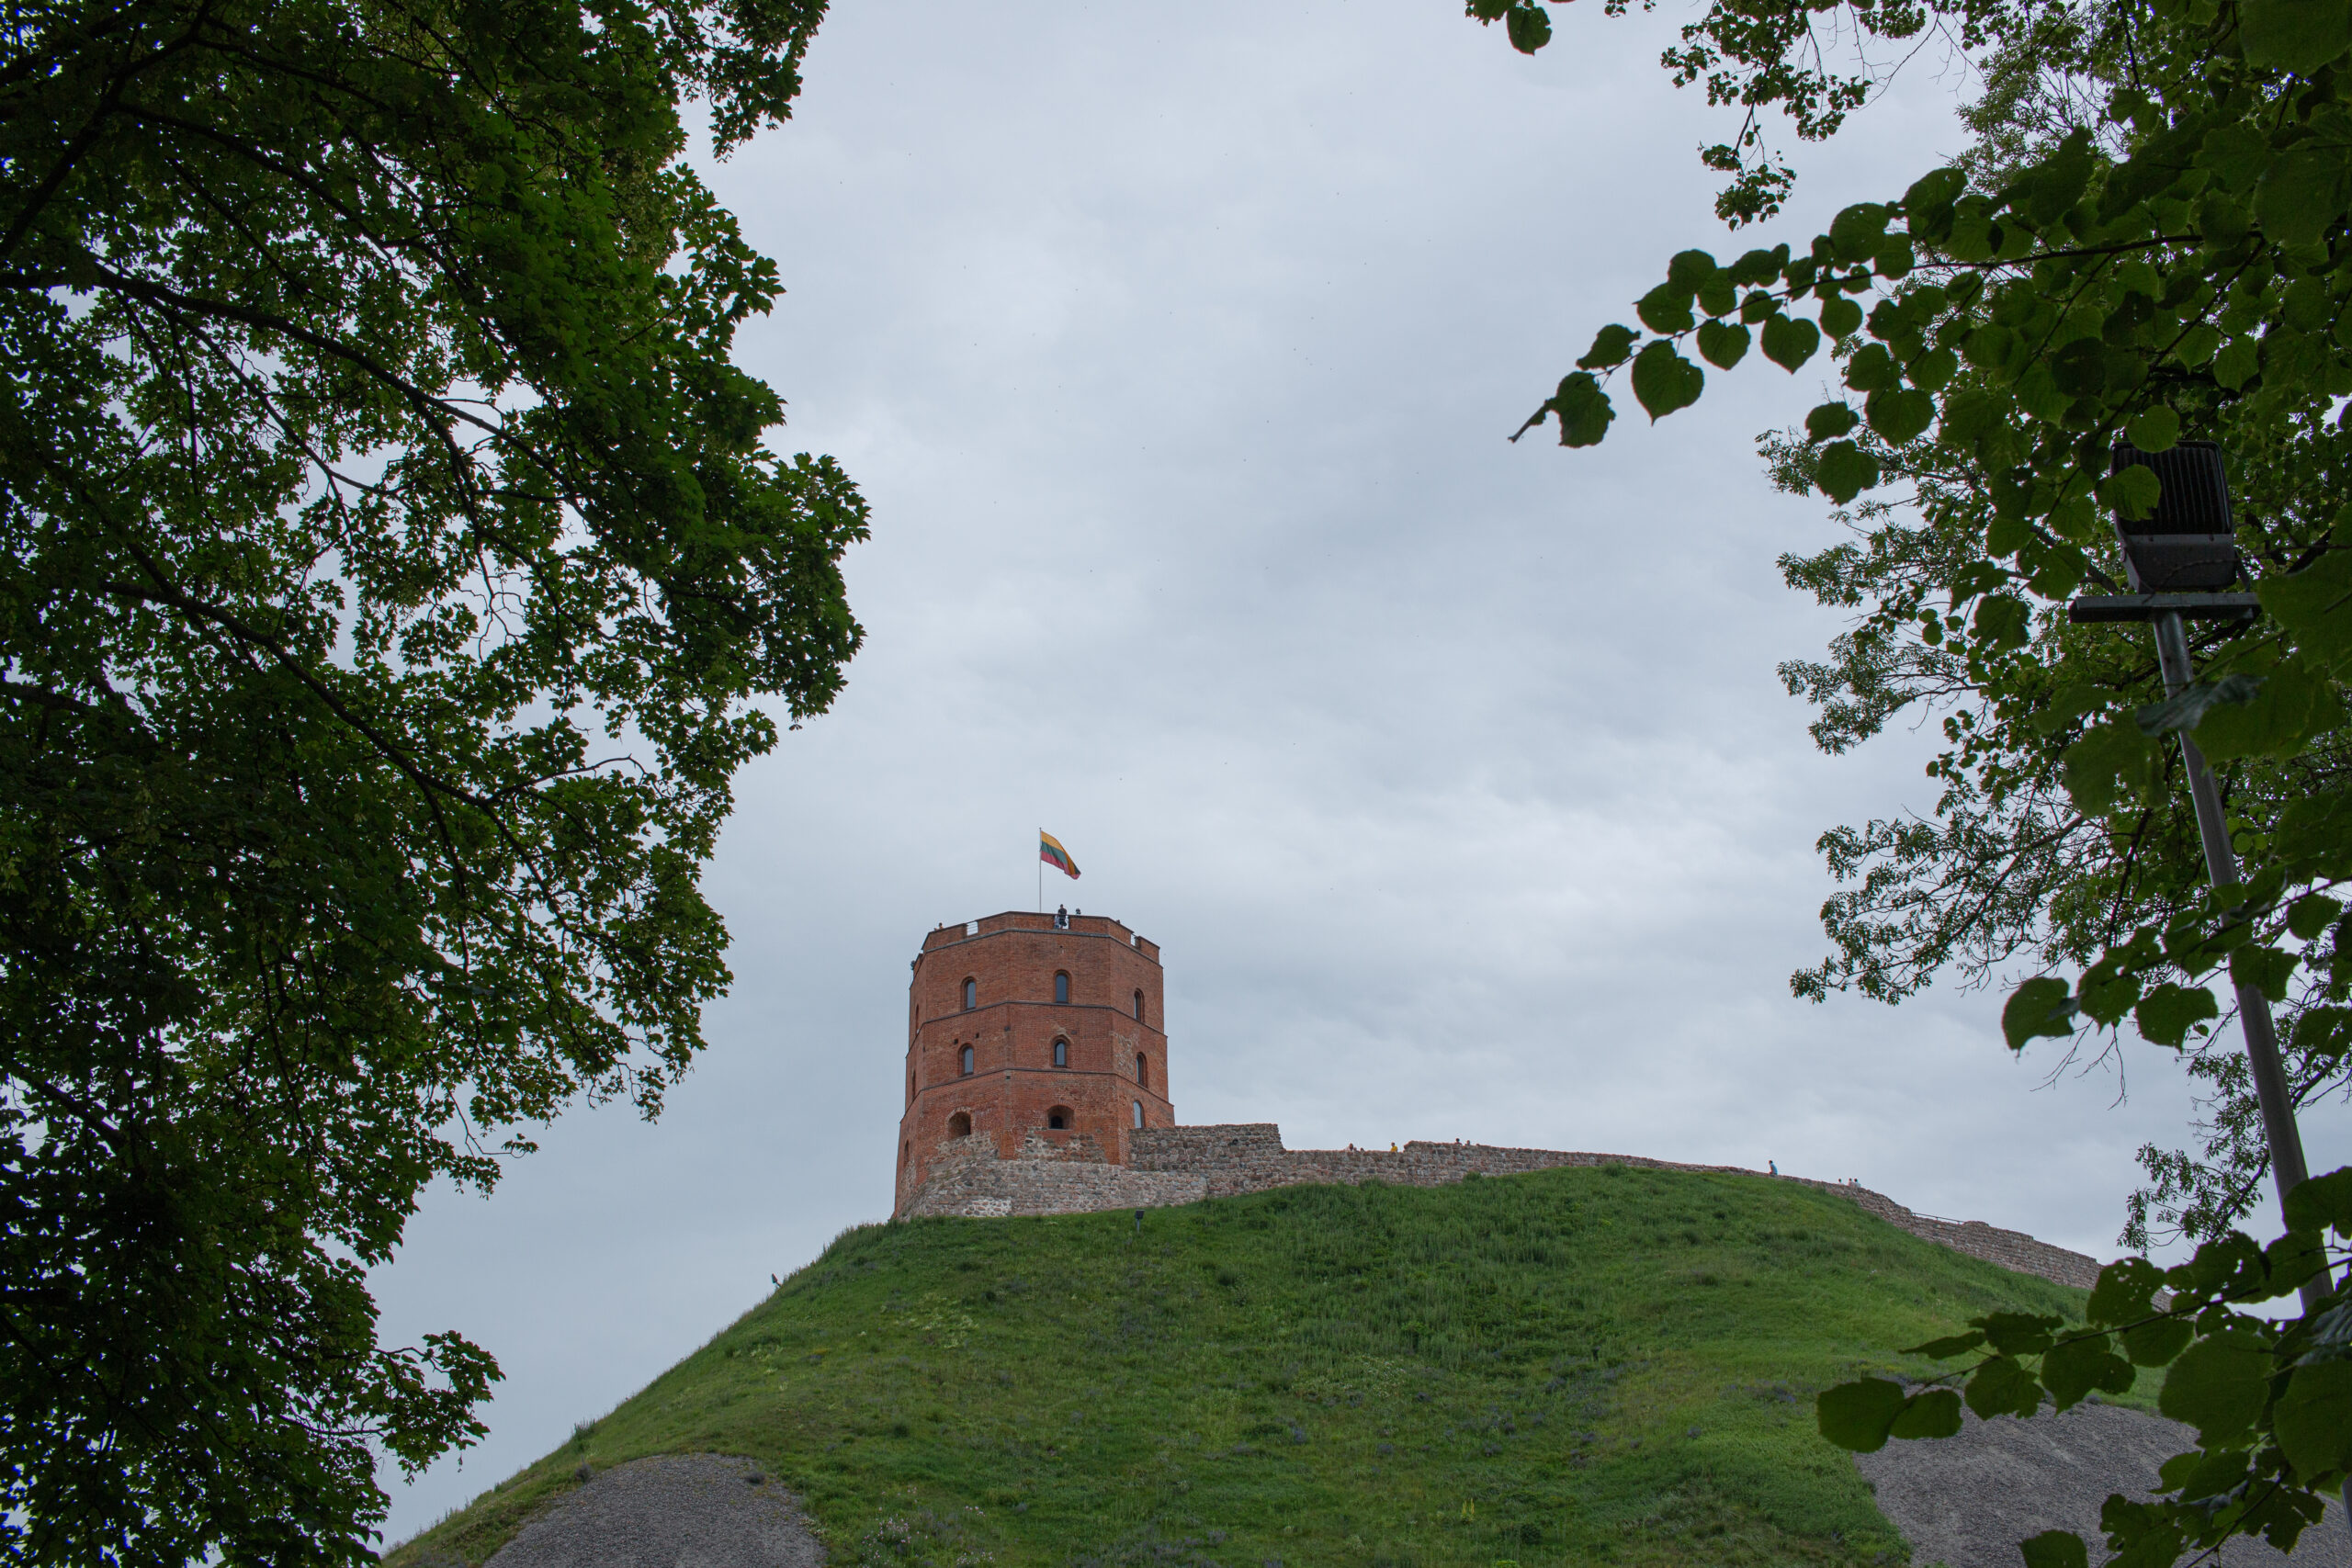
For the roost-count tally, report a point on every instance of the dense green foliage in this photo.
(1584, 1365)
(393, 578)
(2270, 1398)
(2150, 242)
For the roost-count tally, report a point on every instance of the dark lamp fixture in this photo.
(2183, 559)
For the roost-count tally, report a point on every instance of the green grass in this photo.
(1610, 1365)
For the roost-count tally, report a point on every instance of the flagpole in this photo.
(1041, 879)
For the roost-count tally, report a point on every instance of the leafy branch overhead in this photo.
(2149, 241)
(2270, 1400)
(2160, 254)
(394, 573)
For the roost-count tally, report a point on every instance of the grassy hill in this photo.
(1596, 1365)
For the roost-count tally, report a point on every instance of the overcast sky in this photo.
(1175, 348)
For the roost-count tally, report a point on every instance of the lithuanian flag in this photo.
(1050, 850)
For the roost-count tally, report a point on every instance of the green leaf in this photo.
(2185, 709)
(1690, 269)
(2165, 1014)
(2132, 492)
(1665, 308)
(2236, 364)
(2300, 36)
(1858, 1415)
(1901, 417)
(2079, 369)
(2020, 1333)
(1934, 1413)
(2311, 914)
(1829, 421)
(1583, 409)
(2056, 183)
(1845, 471)
(2153, 429)
(1610, 346)
(1854, 233)
(2313, 1420)
(1528, 27)
(2219, 1385)
(2199, 343)
(2157, 1341)
(2324, 1032)
(2266, 969)
(1951, 1345)
(2054, 1549)
(2003, 620)
(1873, 369)
(2302, 195)
(1723, 343)
(1789, 341)
(1664, 380)
(2111, 763)
(2322, 1202)
(2081, 1363)
(2315, 604)
(2043, 1005)
(2125, 1288)
(2001, 1387)
(1759, 266)
(2294, 704)
(1840, 317)
(1938, 188)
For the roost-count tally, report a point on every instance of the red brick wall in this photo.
(1012, 959)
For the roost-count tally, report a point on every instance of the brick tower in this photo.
(1036, 1032)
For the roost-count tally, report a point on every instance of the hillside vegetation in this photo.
(1592, 1365)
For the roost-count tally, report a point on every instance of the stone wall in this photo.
(972, 1182)
(1182, 1164)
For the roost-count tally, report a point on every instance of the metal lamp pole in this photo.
(2180, 562)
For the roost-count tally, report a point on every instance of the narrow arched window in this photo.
(1061, 985)
(968, 1061)
(971, 994)
(1061, 1053)
(960, 1124)
(1138, 1006)
(1143, 1069)
(1138, 1113)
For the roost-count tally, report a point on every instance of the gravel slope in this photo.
(674, 1511)
(1966, 1502)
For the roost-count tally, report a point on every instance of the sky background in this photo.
(1175, 349)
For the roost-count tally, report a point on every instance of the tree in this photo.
(2149, 241)
(394, 577)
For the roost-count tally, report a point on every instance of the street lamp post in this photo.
(2182, 564)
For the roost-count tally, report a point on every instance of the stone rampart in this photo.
(973, 1182)
(1182, 1164)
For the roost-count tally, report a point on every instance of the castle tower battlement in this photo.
(1030, 1036)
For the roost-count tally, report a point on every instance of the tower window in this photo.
(1060, 1119)
(971, 994)
(967, 1061)
(1138, 1113)
(960, 1124)
(1061, 1053)
(1138, 1006)
(1143, 1069)
(1061, 985)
